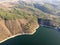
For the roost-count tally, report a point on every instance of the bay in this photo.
(43, 36)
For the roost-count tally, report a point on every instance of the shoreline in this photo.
(19, 35)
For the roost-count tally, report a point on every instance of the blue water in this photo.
(43, 36)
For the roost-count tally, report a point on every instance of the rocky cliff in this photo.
(9, 28)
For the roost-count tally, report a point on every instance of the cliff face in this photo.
(10, 28)
(49, 23)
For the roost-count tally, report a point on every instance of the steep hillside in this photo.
(10, 28)
(16, 21)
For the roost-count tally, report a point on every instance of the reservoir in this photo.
(43, 36)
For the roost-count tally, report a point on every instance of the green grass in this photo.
(27, 12)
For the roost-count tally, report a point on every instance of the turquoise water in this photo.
(43, 36)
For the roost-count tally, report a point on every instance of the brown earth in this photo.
(9, 28)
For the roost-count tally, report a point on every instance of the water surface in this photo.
(43, 36)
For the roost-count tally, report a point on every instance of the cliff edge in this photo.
(12, 28)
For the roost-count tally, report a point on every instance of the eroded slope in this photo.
(10, 28)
